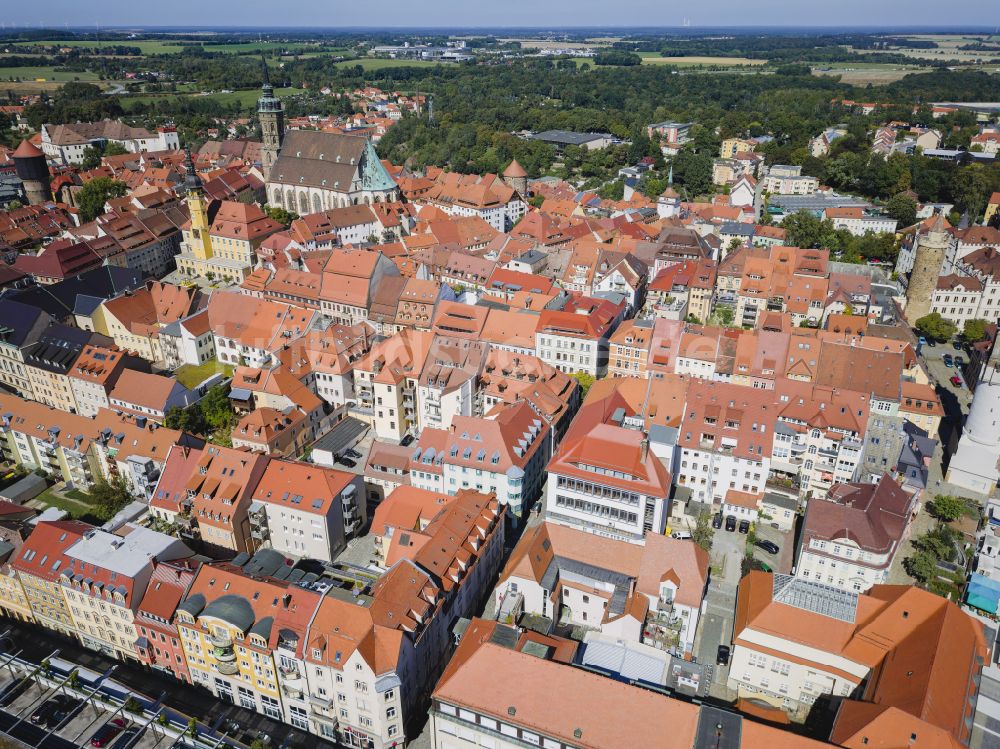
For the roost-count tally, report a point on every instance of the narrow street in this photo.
(716, 626)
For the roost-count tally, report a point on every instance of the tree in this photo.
(703, 533)
(725, 316)
(585, 380)
(93, 195)
(903, 208)
(279, 214)
(971, 186)
(114, 149)
(613, 190)
(922, 566)
(935, 327)
(190, 420)
(975, 330)
(110, 496)
(693, 171)
(617, 57)
(91, 158)
(947, 508)
(804, 229)
(216, 408)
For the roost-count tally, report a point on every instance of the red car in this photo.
(106, 733)
(956, 381)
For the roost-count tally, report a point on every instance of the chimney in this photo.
(643, 450)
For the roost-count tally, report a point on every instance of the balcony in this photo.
(224, 655)
(319, 704)
(220, 641)
(260, 534)
(227, 669)
(293, 689)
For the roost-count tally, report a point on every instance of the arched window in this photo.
(317, 203)
(303, 204)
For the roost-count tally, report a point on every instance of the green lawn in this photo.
(243, 98)
(77, 508)
(47, 72)
(190, 376)
(379, 63)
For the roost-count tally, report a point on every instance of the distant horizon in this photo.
(603, 29)
(642, 15)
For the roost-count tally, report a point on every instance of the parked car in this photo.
(407, 439)
(744, 526)
(681, 535)
(722, 657)
(717, 520)
(948, 361)
(769, 546)
(125, 739)
(956, 381)
(730, 523)
(352, 453)
(348, 462)
(932, 343)
(106, 733)
(922, 341)
(957, 345)
(959, 362)
(54, 710)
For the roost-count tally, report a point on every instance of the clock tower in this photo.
(271, 114)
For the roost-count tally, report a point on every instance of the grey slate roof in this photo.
(316, 159)
(263, 627)
(79, 295)
(193, 605)
(234, 609)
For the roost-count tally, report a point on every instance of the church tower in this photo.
(271, 114)
(199, 239)
(927, 262)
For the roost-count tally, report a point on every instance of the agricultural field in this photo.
(146, 46)
(947, 49)
(292, 47)
(863, 73)
(651, 58)
(167, 47)
(379, 63)
(557, 44)
(244, 99)
(49, 73)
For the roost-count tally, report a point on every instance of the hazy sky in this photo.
(334, 13)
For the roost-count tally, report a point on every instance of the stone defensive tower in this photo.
(33, 171)
(271, 114)
(515, 176)
(927, 262)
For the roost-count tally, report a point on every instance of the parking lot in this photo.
(86, 719)
(941, 374)
(785, 540)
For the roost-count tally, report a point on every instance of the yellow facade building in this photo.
(39, 565)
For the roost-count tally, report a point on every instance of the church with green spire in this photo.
(271, 115)
(308, 171)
